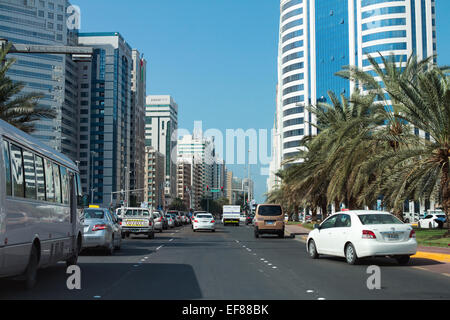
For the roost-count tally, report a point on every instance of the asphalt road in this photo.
(229, 264)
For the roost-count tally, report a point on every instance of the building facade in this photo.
(106, 91)
(154, 178)
(137, 127)
(184, 183)
(319, 37)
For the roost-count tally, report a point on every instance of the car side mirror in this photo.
(317, 226)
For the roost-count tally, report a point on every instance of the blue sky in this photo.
(217, 58)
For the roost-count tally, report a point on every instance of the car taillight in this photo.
(367, 234)
(412, 234)
(195, 220)
(120, 222)
(150, 222)
(213, 221)
(99, 227)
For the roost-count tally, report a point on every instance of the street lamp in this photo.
(93, 153)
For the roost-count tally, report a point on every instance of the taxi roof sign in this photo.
(94, 206)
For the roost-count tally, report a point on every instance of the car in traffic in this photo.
(101, 230)
(158, 221)
(204, 221)
(358, 234)
(170, 221)
(138, 221)
(432, 220)
(249, 219)
(176, 216)
(269, 219)
(242, 218)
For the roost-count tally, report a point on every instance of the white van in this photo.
(40, 206)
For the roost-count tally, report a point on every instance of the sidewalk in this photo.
(431, 253)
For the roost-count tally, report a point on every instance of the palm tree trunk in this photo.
(445, 187)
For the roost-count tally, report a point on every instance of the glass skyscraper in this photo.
(318, 37)
(43, 22)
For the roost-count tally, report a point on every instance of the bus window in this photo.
(40, 178)
(30, 175)
(49, 184)
(64, 185)
(79, 190)
(57, 178)
(17, 172)
(7, 161)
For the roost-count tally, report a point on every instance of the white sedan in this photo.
(204, 221)
(359, 234)
(431, 221)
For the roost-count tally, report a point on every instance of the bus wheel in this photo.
(73, 260)
(31, 271)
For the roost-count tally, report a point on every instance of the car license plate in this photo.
(270, 223)
(391, 236)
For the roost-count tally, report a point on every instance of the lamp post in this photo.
(93, 153)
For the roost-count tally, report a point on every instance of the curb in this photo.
(441, 257)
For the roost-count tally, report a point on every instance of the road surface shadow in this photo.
(386, 261)
(123, 252)
(115, 281)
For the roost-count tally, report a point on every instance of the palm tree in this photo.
(425, 164)
(19, 109)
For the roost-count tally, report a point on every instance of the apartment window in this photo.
(41, 3)
(41, 14)
(51, 5)
(50, 25)
(51, 15)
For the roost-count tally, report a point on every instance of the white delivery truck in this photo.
(231, 215)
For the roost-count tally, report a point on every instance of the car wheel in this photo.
(312, 249)
(403, 260)
(350, 254)
(281, 234)
(418, 224)
(72, 261)
(119, 245)
(430, 225)
(110, 249)
(31, 271)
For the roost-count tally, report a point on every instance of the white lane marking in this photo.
(321, 299)
(170, 240)
(274, 267)
(309, 291)
(159, 247)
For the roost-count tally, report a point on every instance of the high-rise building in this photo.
(161, 123)
(137, 128)
(154, 178)
(229, 188)
(184, 182)
(202, 149)
(318, 37)
(43, 22)
(106, 93)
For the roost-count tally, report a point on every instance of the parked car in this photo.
(204, 221)
(364, 233)
(249, 219)
(242, 218)
(101, 230)
(164, 220)
(432, 220)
